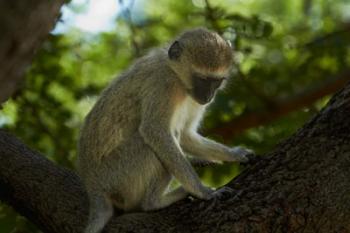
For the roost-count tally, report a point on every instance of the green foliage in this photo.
(281, 48)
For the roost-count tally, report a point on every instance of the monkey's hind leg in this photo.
(173, 196)
(156, 198)
(101, 210)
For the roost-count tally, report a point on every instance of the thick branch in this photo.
(50, 196)
(23, 26)
(302, 186)
(227, 130)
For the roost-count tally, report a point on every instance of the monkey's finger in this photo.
(223, 193)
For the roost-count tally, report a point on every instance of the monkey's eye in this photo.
(208, 80)
(216, 80)
(201, 78)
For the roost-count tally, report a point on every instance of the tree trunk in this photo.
(301, 186)
(23, 26)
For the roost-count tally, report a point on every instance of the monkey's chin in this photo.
(203, 100)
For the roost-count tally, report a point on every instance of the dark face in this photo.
(204, 88)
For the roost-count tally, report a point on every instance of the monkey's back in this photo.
(116, 116)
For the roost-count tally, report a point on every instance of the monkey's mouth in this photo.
(202, 97)
(205, 100)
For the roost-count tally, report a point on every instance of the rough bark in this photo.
(301, 186)
(23, 26)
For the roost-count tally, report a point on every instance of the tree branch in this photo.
(40, 190)
(301, 186)
(18, 43)
(227, 130)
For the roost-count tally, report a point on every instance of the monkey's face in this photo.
(201, 60)
(204, 87)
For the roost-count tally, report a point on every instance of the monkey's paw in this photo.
(241, 154)
(222, 193)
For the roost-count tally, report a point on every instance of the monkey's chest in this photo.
(183, 117)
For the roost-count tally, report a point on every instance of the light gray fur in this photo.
(129, 150)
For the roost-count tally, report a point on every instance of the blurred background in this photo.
(289, 58)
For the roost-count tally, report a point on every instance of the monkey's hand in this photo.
(212, 193)
(222, 193)
(240, 154)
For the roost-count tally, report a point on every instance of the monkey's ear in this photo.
(175, 51)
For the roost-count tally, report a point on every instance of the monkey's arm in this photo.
(198, 162)
(199, 146)
(155, 130)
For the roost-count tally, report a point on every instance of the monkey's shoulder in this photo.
(148, 74)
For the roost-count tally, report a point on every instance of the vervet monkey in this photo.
(137, 136)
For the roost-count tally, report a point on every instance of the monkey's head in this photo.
(202, 60)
